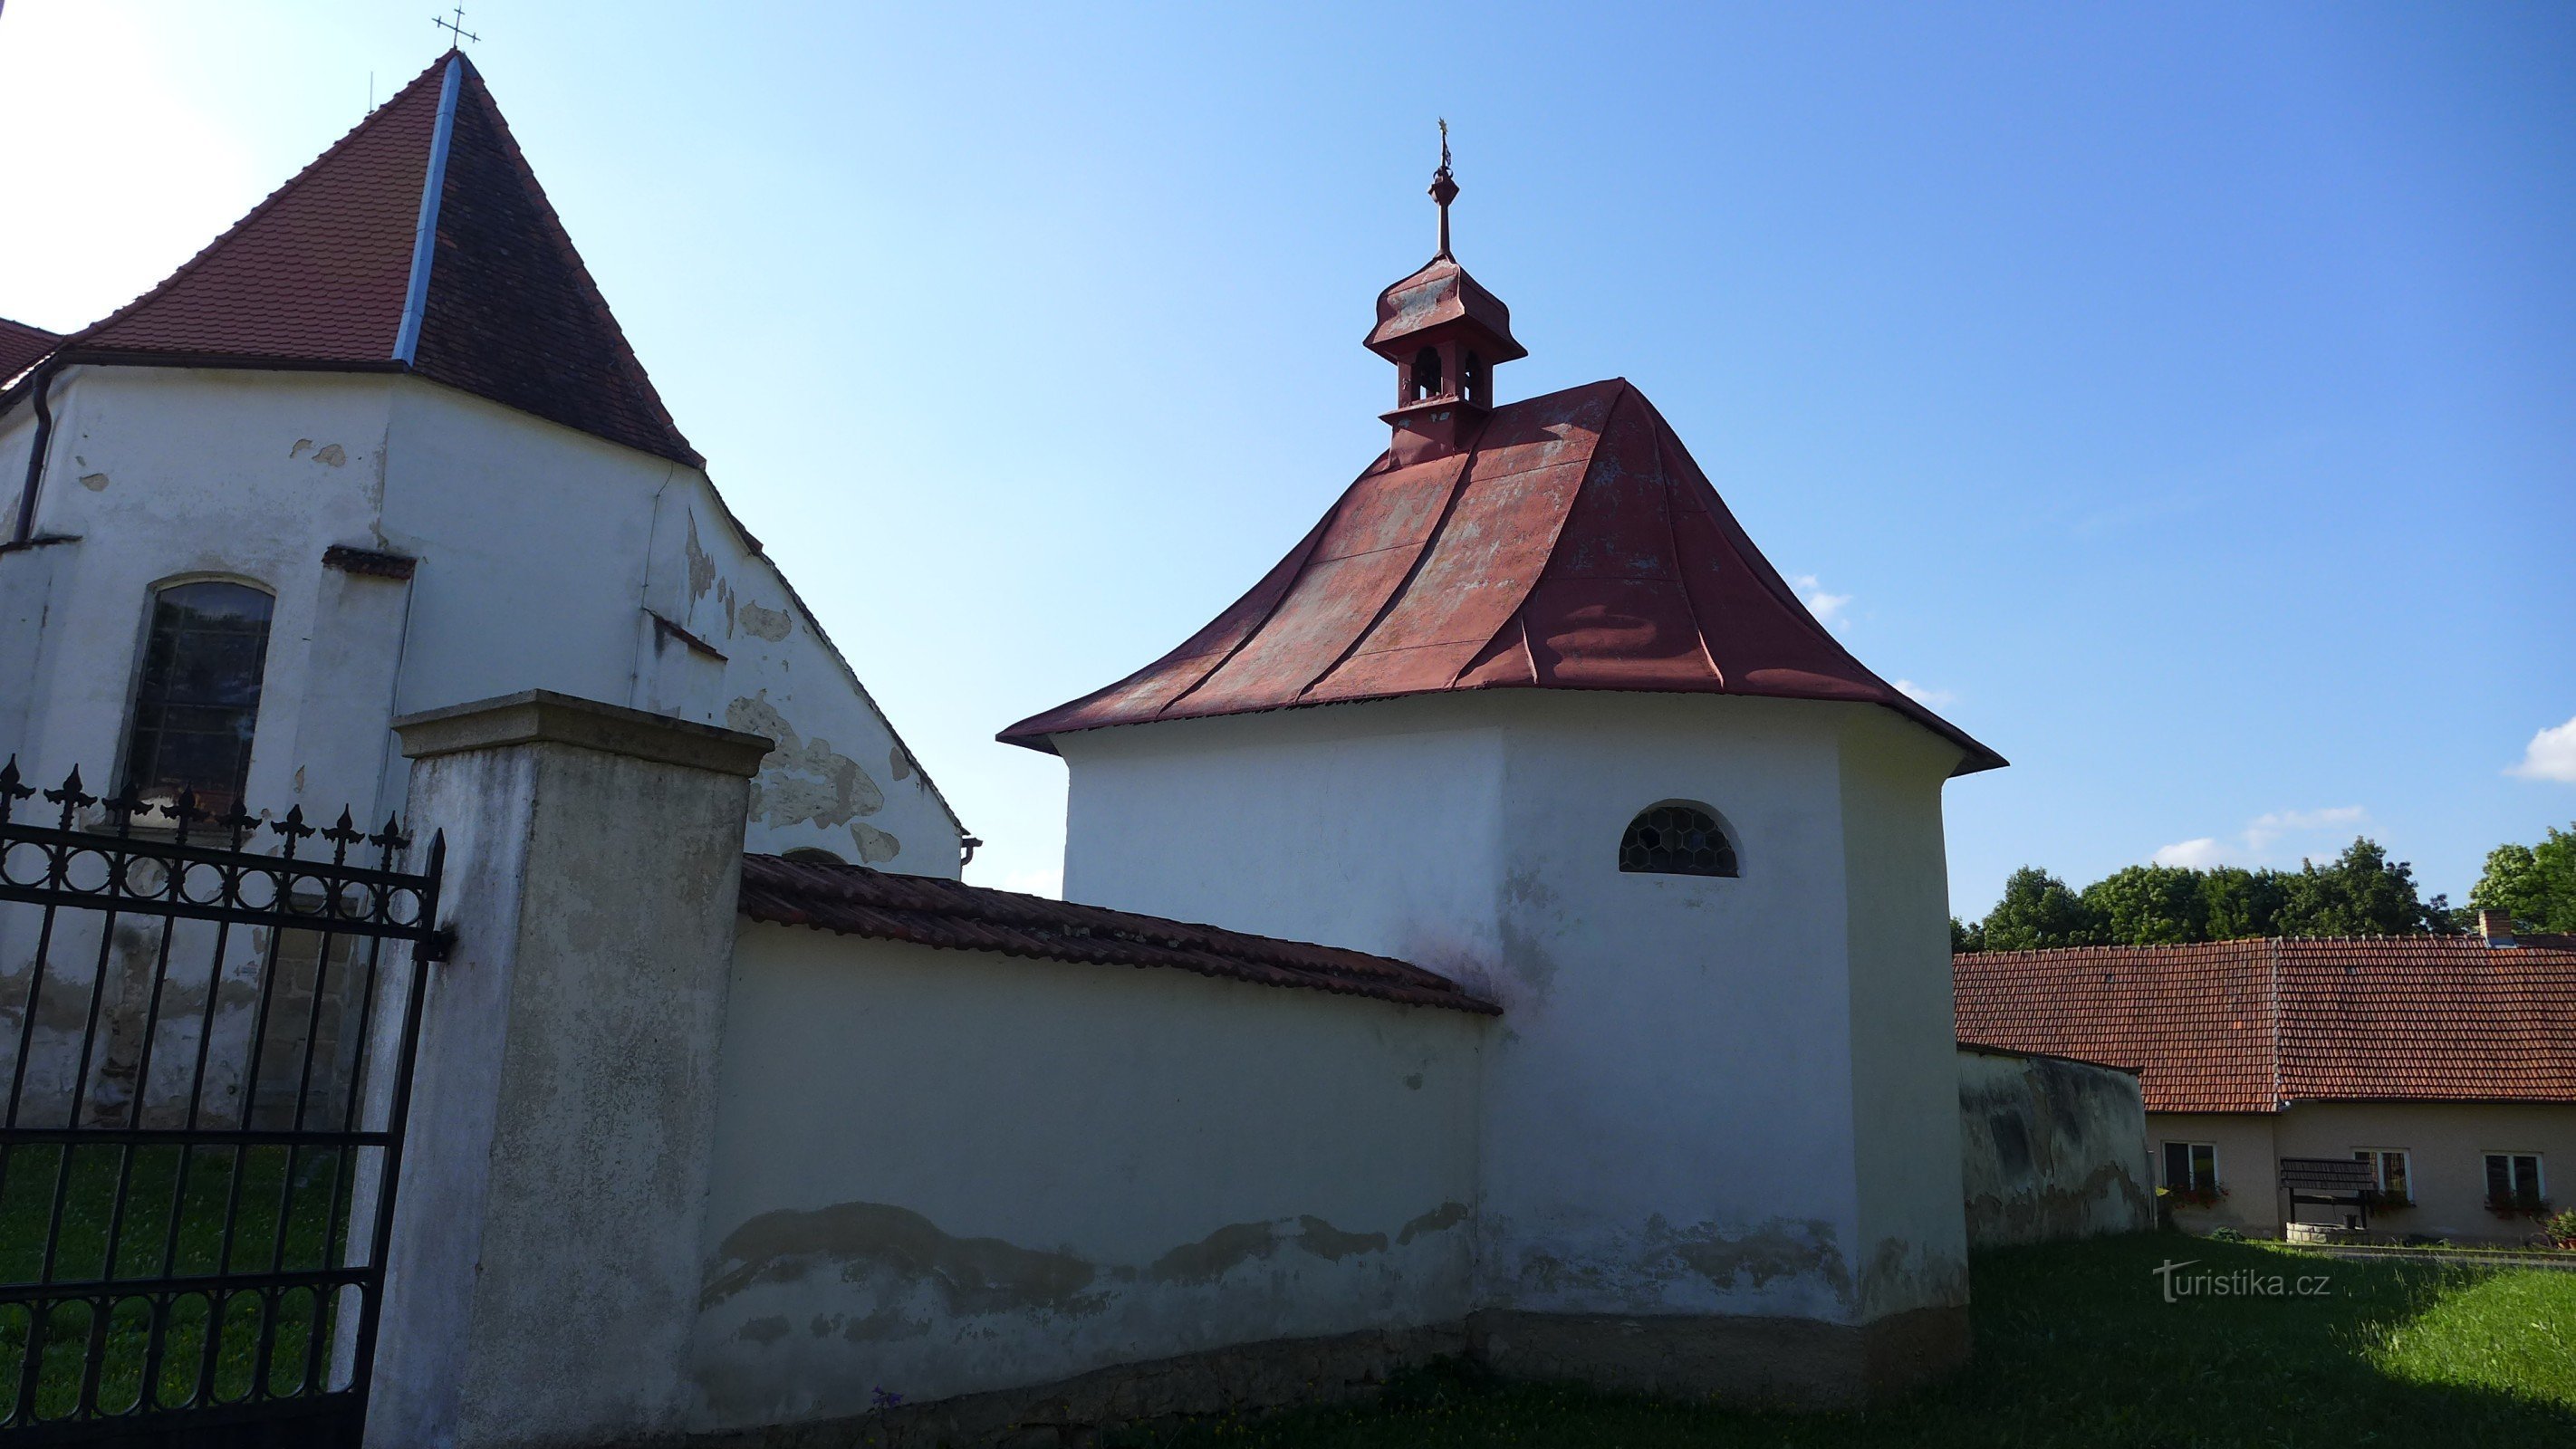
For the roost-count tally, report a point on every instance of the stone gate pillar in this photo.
(544, 1269)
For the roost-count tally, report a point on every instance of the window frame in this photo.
(1733, 839)
(2192, 1153)
(140, 668)
(2539, 1187)
(2378, 1157)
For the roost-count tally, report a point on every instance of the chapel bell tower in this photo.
(1446, 335)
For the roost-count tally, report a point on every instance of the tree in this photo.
(2360, 893)
(2149, 905)
(2240, 903)
(2536, 883)
(2037, 913)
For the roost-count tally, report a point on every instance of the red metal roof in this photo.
(1437, 295)
(1572, 544)
(319, 275)
(2251, 1026)
(929, 911)
(20, 347)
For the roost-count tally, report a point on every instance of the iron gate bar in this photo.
(339, 904)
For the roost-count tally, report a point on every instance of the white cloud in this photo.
(1925, 695)
(1048, 883)
(2264, 829)
(2550, 756)
(2198, 854)
(1828, 608)
(2250, 846)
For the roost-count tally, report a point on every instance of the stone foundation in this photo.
(1792, 1362)
(1244, 1379)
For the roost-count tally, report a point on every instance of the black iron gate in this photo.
(208, 1063)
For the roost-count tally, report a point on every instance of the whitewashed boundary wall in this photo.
(2051, 1148)
(675, 1178)
(946, 1172)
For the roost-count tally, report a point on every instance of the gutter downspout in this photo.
(40, 445)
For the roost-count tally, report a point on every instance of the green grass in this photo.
(167, 1231)
(2075, 1346)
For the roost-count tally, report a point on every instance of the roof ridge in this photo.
(433, 183)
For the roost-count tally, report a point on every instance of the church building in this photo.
(1527, 707)
(377, 449)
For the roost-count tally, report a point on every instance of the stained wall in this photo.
(941, 1172)
(2051, 1149)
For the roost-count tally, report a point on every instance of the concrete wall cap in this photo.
(541, 716)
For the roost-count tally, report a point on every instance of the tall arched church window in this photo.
(198, 702)
(1677, 838)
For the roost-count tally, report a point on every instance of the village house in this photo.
(2442, 1063)
(1577, 1000)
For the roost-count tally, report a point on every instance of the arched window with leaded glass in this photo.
(197, 703)
(1677, 838)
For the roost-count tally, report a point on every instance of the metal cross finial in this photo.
(1444, 189)
(457, 34)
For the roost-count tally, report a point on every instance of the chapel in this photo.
(1527, 707)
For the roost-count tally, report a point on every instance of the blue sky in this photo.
(2183, 399)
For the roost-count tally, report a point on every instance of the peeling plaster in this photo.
(873, 845)
(1235, 1244)
(865, 1239)
(898, 763)
(331, 454)
(769, 624)
(702, 569)
(804, 780)
(94, 482)
(1439, 1220)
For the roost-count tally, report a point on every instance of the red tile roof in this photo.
(2251, 1026)
(319, 275)
(929, 911)
(1572, 545)
(20, 346)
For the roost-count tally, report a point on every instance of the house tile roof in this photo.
(929, 911)
(20, 347)
(2252, 1026)
(326, 270)
(1570, 544)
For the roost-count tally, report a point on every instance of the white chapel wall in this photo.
(1675, 1116)
(942, 1172)
(1912, 1248)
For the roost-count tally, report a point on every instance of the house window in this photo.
(2191, 1166)
(1676, 838)
(2396, 1184)
(2513, 1182)
(198, 701)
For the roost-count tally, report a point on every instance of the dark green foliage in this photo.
(2358, 893)
(2038, 912)
(2537, 883)
(2076, 1347)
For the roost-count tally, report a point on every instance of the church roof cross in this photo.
(457, 34)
